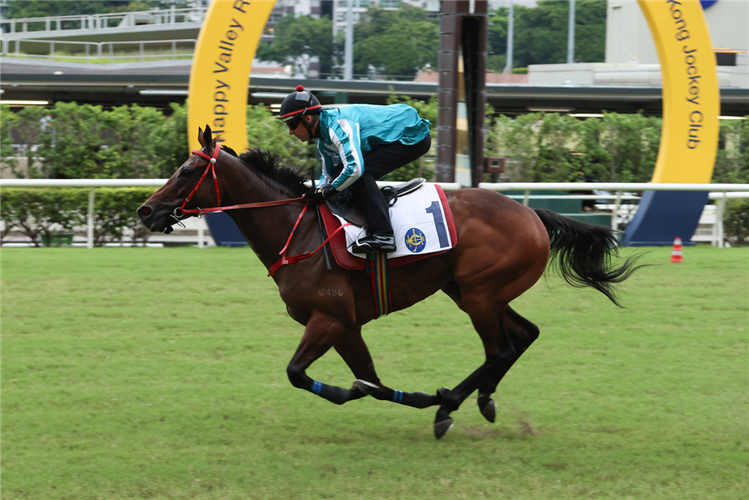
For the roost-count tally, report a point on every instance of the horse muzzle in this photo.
(158, 221)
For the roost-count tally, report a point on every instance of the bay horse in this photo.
(503, 248)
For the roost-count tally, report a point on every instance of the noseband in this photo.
(180, 212)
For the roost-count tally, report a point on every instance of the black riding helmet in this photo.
(298, 104)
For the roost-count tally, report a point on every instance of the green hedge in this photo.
(35, 211)
(736, 221)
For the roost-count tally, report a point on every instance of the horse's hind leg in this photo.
(352, 348)
(505, 335)
(522, 333)
(486, 316)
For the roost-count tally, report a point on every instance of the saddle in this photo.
(347, 206)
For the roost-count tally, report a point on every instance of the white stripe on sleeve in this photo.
(355, 149)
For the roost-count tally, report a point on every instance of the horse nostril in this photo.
(144, 211)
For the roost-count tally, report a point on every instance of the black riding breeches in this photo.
(377, 163)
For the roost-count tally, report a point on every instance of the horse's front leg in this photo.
(321, 333)
(352, 348)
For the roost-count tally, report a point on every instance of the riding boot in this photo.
(379, 229)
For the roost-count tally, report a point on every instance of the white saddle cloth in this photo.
(419, 224)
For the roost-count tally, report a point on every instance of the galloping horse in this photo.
(503, 249)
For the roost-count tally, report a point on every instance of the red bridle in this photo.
(181, 211)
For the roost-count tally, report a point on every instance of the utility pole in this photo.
(348, 70)
(571, 35)
(510, 31)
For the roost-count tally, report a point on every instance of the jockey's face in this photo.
(300, 132)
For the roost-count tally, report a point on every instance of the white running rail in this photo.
(721, 192)
(99, 22)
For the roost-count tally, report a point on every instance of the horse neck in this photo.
(265, 229)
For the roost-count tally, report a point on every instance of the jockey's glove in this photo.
(320, 194)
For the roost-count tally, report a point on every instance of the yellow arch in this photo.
(691, 96)
(220, 73)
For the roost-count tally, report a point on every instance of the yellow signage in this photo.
(691, 96)
(220, 75)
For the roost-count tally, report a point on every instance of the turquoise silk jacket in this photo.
(348, 133)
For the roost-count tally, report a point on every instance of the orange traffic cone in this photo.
(676, 252)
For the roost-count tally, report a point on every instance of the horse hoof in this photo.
(365, 387)
(488, 409)
(441, 428)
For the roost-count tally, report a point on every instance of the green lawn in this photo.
(160, 373)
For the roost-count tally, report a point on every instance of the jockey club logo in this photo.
(415, 240)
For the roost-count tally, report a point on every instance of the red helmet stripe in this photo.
(300, 111)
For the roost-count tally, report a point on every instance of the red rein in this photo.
(200, 211)
(212, 168)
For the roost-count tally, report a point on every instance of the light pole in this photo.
(348, 70)
(571, 34)
(510, 30)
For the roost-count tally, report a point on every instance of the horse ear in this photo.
(208, 136)
(200, 137)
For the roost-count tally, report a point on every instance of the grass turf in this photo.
(160, 373)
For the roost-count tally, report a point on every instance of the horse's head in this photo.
(192, 185)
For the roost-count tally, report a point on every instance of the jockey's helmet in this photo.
(296, 105)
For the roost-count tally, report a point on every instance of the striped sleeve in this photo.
(327, 165)
(345, 136)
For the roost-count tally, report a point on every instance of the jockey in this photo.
(358, 144)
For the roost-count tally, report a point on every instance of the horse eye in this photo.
(185, 172)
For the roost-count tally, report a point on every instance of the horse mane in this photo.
(270, 166)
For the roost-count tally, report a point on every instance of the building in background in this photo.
(631, 56)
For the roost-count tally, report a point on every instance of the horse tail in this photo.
(582, 253)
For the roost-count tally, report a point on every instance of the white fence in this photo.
(101, 22)
(84, 51)
(619, 192)
(718, 192)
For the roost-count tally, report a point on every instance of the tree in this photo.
(295, 36)
(7, 121)
(396, 42)
(35, 8)
(732, 161)
(541, 33)
(497, 39)
(29, 125)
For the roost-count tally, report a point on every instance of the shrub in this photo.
(36, 212)
(39, 213)
(549, 147)
(114, 210)
(736, 221)
(732, 160)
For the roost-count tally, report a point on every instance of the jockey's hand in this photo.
(320, 194)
